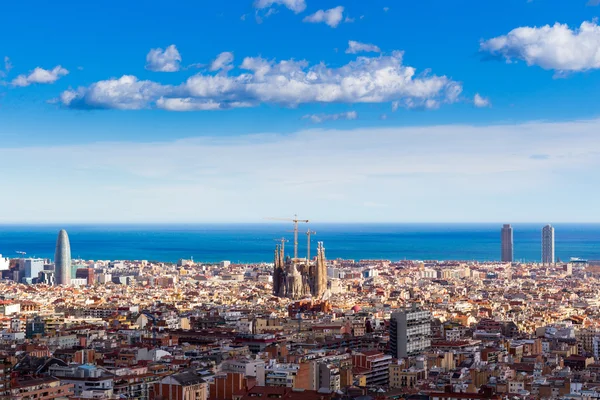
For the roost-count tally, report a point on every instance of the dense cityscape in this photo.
(151, 153)
(300, 327)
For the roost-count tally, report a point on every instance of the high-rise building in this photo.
(410, 332)
(62, 259)
(29, 269)
(507, 243)
(548, 244)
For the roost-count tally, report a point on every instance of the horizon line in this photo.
(140, 223)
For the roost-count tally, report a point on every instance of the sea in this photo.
(252, 243)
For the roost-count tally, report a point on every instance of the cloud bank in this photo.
(287, 83)
(431, 173)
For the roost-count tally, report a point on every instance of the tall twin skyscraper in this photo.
(507, 244)
(62, 259)
(548, 245)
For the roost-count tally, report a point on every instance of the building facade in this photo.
(247, 367)
(372, 367)
(410, 332)
(181, 386)
(507, 253)
(85, 378)
(281, 375)
(34, 327)
(45, 388)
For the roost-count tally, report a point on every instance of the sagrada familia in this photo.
(299, 278)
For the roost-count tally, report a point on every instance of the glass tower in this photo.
(62, 259)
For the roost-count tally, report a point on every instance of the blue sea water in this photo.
(256, 242)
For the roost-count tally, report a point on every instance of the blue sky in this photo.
(421, 111)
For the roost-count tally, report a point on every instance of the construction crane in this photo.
(295, 220)
(282, 241)
(308, 234)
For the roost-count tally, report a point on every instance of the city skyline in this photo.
(300, 200)
(372, 113)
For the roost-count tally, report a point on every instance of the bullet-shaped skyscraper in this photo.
(507, 243)
(62, 259)
(548, 244)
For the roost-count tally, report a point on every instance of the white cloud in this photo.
(486, 173)
(358, 47)
(480, 101)
(166, 60)
(40, 75)
(125, 93)
(593, 2)
(318, 118)
(331, 17)
(386, 9)
(554, 47)
(296, 6)
(288, 82)
(222, 62)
